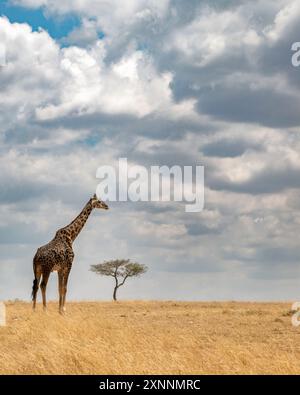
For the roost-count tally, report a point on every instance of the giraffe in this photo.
(58, 255)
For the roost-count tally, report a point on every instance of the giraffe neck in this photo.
(75, 227)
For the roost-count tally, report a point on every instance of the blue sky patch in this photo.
(57, 27)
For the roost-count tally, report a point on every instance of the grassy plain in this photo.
(149, 337)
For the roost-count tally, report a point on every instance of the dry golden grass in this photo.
(150, 338)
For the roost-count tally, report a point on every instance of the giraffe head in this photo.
(97, 203)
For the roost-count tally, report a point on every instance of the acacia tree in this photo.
(120, 270)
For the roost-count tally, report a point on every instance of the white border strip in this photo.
(2, 314)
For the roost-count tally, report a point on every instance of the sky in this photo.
(160, 82)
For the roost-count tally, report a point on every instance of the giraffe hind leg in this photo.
(45, 278)
(35, 287)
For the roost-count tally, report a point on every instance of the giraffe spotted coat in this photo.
(58, 255)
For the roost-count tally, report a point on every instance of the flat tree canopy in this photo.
(120, 270)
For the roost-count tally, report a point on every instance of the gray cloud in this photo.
(241, 104)
(267, 181)
(225, 148)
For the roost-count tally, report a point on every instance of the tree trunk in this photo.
(115, 293)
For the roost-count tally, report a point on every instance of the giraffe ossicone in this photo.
(58, 255)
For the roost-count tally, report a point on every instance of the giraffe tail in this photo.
(36, 271)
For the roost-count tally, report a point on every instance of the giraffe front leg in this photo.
(64, 290)
(60, 291)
